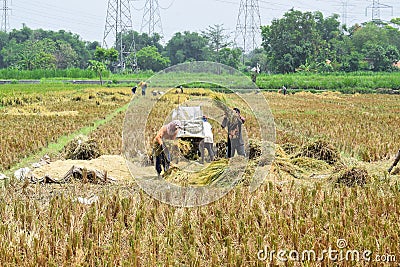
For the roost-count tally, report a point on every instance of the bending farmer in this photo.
(160, 151)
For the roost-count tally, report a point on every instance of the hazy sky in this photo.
(87, 17)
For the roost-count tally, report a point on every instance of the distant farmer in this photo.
(235, 140)
(160, 151)
(134, 90)
(179, 90)
(143, 85)
(254, 72)
(208, 141)
(284, 90)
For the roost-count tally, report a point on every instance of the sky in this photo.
(87, 17)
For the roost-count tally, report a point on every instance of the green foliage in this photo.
(381, 58)
(74, 73)
(290, 41)
(30, 49)
(189, 46)
(230, 57)
(142, 40)
(106, 56)
(98, 67)
(307, 42)
(217, 41)
(30, 54)
(148, 58)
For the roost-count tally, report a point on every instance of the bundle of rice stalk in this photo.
(184, 146)
(176, 176)
(284, 164)
(221, 102)
(352, 176)
(280, 152)
(320, 149)
(82, 148)
(290, 148)
(254, 149)
(265, 153)
(211, 173)
(221, 149)
(311, 164)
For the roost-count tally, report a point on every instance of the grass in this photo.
(344, 82)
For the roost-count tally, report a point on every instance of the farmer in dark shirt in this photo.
(235, 140)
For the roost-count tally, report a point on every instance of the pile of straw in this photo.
(82, 148)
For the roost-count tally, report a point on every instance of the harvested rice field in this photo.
(327, 199)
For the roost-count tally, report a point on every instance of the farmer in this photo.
(143, 85)
(235, 140)
(134, 90)
(208, 141)
(160, 151)
(254, 72)
(284, 90)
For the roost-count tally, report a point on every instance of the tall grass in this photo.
(73, 73)
(344, 82)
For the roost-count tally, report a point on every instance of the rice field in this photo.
(278, 224)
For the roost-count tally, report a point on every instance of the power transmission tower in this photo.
(151, 21)
(376, 7)
(5, 21)
(248, 32)
(118, 24)
(344, 14)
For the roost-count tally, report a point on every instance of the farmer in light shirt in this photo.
(208, 141)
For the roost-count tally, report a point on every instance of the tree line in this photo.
(297, 42)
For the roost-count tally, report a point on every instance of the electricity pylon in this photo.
(248, 32)
(118, 24)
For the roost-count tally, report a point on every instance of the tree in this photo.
(186, 46)
(260, 57)
(381, 58)
(66, 56)
(369, 34)
(148, 58)
(98, 67)
(142, 40)
(107, 56)
(70, 50)
(217, 40)
(22, 35)
(3, 42)
(298, 38)
(230, 57)
(30, 55)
